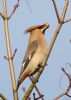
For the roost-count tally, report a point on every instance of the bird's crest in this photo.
(36, 27)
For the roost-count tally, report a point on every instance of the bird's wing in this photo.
(30, 52)
(32, 47)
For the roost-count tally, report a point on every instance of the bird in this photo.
(36, 53)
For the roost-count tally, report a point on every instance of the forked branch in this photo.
(69, 87)
(9, 53)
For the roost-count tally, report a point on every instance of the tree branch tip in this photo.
(65, 72)
(1, 15)
(16, 6)
(5, 58)
(15, 49)
(56, 11)
(14, 53)
(63, 69)
(14, 9)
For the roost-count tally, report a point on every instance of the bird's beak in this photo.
(46, 26)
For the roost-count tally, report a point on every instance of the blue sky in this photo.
(42, 12)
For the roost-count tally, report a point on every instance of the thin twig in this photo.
(69, 76)
(13, 11)
(56, 10)
(2, 96)
(60, 96)
(1, 15)
(64, 73)
(64, 10)
(67, 90)
(67, 20)
(14, 53)
(5, 58)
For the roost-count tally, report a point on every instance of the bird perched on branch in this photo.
(36, 53)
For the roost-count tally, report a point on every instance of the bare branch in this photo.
(61, 95)
(56, 11)
(14, 53)
(68, 75)
(5, 58)
(1, 15)
(64, 10)
(13, 11)
(3, 97)
(67, 90)
(67, 20)
(9, 53)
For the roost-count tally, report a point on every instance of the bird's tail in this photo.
(21, 79)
